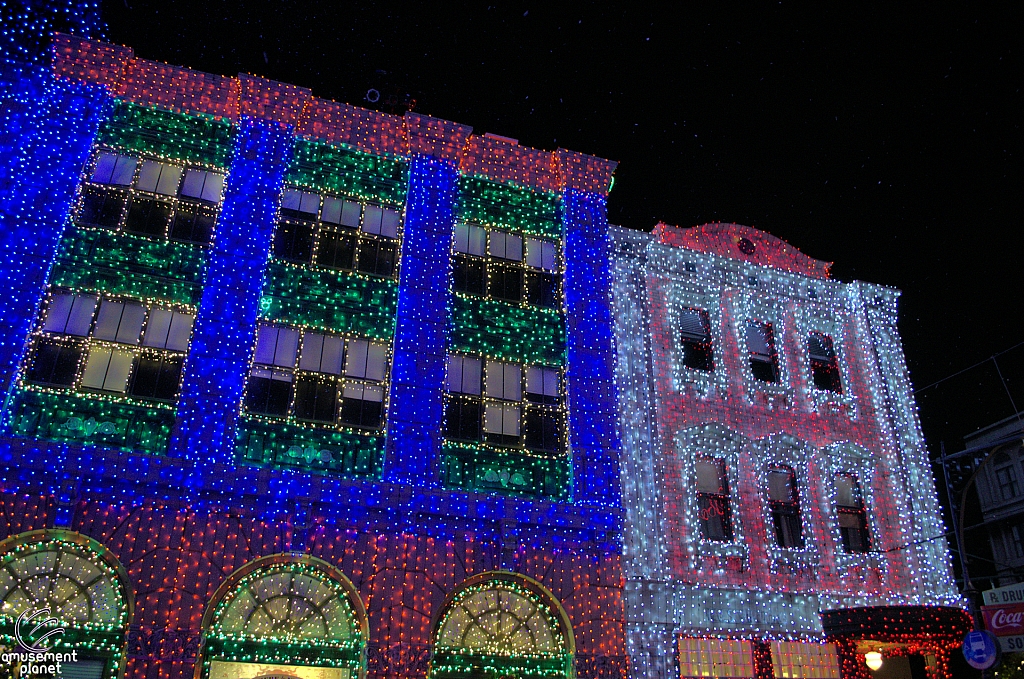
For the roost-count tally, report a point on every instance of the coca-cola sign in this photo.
(1004, 621)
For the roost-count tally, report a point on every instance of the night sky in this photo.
(886, 141)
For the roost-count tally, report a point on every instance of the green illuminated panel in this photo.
(272, 650)
(334, 452)
(490, 204)
(484, 469)
(507, 331)
(334, 301)
(452, 663)
(168, 134)
(91, 421)
(121, 263)
(360, 175)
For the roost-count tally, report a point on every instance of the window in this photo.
(764, 362)
(724, 658)
(486, 403)
(853, 517)
(695, 338)
(802, 660)
(337, 234)
(110, 345)
(824, 363)
(151, 198)
(1017, 545)
(713, 508)
(317, 378)
(1006, 478)
(784, 502)
(503, 265)
(502, 382)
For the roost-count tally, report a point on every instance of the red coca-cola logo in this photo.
(1001, 619)
(1005, 620)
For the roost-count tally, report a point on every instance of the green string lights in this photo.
(329, 300)
(125, 264)
(500, 205)
(338, 453)
(359, 175)
(91, 420)
(317, 625)
(58, 572)
(486, 468)
(507, 331)
(167, 134)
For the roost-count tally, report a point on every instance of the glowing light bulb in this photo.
(873, 659)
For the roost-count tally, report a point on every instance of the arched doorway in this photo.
(501, 624)
(284, 617)
(74, 584)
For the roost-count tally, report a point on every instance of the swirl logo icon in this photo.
(29, 643)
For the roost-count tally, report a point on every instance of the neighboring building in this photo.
(292, 383)
(1000, 487)
(776, 485)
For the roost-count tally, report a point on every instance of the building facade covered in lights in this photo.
(780, 508)
(294, 388)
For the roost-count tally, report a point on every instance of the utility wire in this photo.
(971, 367)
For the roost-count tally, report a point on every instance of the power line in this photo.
(971, 367)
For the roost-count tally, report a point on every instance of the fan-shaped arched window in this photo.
(76, 584)
(502, 624)
(285, 614)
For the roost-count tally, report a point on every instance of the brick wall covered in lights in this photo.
(246, 325)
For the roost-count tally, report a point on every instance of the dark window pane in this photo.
(101, 207)
(360, 413)
(542, 289)
(826, 377)
(336, 249)
(505, 282)
(695, 337)
(193, 223)
(788, 530)
(54, 363)
(377, 256)
(470, 275)
(293, 241)
(764, 370)
(824, 363)
(316, 399)
(464, 418)
(543, 429)
(156, 377)
(148, 216)
(853, 528)
(698, 355)
(764, 364)
(715, 518)
(268, 396)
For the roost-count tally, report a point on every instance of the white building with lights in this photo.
(782, 518)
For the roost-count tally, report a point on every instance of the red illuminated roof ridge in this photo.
(744, 243)
(184, 90)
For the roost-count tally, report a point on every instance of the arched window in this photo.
(74, 582)
(500, 624)
(289, 615)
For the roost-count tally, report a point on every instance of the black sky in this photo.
(886, 140)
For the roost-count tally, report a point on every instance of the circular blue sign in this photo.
(980, 650)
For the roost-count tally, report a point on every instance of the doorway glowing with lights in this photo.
(78, 588)
(284, 617)
(502, 625)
